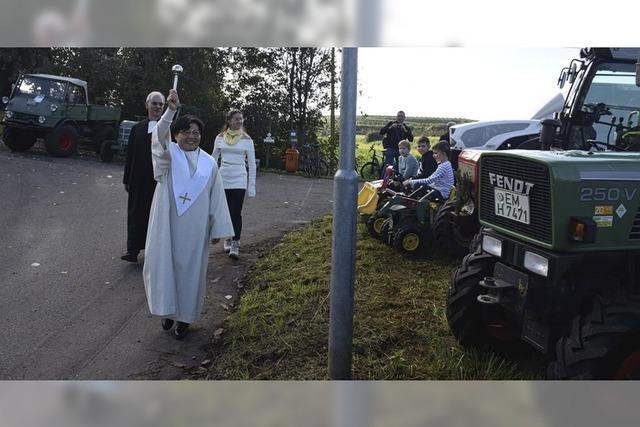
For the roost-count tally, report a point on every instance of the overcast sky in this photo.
(470, 82)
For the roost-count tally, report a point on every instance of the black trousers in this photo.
(235, 199)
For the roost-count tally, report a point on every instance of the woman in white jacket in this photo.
(235, 148)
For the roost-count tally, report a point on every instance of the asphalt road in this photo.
(71, 309)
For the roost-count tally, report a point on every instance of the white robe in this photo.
(177, 247)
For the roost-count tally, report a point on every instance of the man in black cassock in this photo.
(138, 177)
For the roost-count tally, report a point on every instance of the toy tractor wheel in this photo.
(603, 344)
(472, 323)
(410, 240)
(385, 231)
(17, 139)
(374, 225)
(454, 233)
(62, 142)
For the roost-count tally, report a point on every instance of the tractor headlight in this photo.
(8, 114)
(42, 119)
(492, 245)
(536, 263)
(5, 99)
(53, 107)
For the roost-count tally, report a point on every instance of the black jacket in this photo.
(428, 165)
(395, 132)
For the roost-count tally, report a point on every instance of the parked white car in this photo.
(501, 134)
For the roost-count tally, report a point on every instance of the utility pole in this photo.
(343, 254)
(332, 120)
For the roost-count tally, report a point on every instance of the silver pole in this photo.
(345, 191)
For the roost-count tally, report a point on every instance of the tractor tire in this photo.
(410, 240)
(106, 152)
(466, 316)
(374, 225)
(385, 231)
(454, 238)
(604, 343)
(17, 139)
(104, 133)
(62, 142)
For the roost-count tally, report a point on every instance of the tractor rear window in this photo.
(614, 85)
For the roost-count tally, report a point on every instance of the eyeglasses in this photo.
(194, 133)
(157, 104)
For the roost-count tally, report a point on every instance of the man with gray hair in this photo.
(138, 177)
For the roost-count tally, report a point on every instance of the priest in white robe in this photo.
(189, 209)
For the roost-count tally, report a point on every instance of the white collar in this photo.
(151, 126)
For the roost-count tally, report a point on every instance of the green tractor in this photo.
(557, 261)
(57, 109)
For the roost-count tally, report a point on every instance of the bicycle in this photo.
(311, 161)
(372, 170)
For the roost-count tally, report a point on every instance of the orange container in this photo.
(291, 161)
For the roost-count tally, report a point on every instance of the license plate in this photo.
(512, 205)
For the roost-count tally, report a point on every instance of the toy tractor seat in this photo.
(367, 198)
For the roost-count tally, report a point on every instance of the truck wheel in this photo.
(62, 142)
(603, 344)
(410, 240)
(17, 139)
(454, 236)
(106, 152)
(105, 133)
(471, 322)
(374, 225)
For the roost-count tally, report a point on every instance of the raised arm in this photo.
(161, 138)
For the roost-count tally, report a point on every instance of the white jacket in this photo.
(233, 167)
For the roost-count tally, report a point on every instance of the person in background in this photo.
(138, 177)
(235, 148)
(394, 132)
(407, 164)
(439, 183)
(189, 210)
(445, 136)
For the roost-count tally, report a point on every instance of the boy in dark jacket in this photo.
(428, 164)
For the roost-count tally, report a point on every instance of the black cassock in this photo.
(138, 175)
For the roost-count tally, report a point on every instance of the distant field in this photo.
(427, 126)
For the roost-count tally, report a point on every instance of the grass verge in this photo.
(280, 329)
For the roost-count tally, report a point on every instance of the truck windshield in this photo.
(614, 85)
(32, 86)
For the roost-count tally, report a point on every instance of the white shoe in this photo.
(227, 245)
(235, 249)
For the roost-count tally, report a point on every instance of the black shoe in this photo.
(167, 324)
(181, 330)
(130, 256)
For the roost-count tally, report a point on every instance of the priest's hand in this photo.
(172, 100)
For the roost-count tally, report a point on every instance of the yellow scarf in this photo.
(232, 137)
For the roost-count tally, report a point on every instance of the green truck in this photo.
(57, 109)
(557, 261)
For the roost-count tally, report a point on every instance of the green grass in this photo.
(280, 329)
